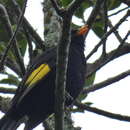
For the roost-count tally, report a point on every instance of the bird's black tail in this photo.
(6, 123)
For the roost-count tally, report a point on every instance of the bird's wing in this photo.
(42, 65)
(34, 78)
(38, 74)
(40, 68)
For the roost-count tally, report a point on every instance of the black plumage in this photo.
(37, 99)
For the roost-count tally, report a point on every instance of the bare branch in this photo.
(35, 37)
(12, 65)
(109, 57)
(12, 41)
(30, 46)
(102, 112)
(107, 34)
(6, 90)
(106, 82)
(57, 8)
(94, 13)
(125, 38)
(119, 11)
(105, 19)
(115, 32)
(72, 7)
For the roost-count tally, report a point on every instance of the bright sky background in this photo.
(114, 98)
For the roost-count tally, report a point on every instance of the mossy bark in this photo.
(52, 31)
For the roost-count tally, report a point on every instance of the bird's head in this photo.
(78, 36)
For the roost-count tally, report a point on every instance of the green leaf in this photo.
(4, 39)
(9, 2)
(20, 2)
(3, 33)
(22, 43)
(11, 80)
(98, 29)
(82, 97)
(112, 4)
(88, 103)
(8, 81)
(80, 11)
(4, 1)
(88, 82)
(66, 2)
(78, 110)
(2, 49)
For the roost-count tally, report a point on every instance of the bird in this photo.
(37, 100)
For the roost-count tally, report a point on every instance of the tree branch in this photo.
(35, 37)
(92, 68)
(30, 46)
(107, 34)
(72, 7)
(105, 19)
(12, 41)
(106, 82)
(119, 11)
(62, 58)
(13, 66)
(102, 112)
(94, 13)
(6, 90)
(115, 32)
(62, 61)
(57, 8)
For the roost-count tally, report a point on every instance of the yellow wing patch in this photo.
(38, 74)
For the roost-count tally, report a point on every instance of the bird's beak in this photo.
(83, 30)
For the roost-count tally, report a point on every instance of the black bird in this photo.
(37, 100)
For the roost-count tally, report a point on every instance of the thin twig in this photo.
(6, 21)
(115, 32)
(120, 46)
(6, 90)
(12, 65)
(94, 13)
(122, 49)
(107, 82)
(92, 68)
(74, 5)
(30, 46)
(124, 39)
(107, 34)
(102, 112)
(105, 18)
(35, 37)
(119, 11)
